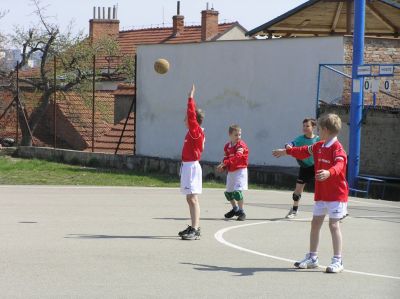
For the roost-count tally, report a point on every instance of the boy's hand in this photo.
(191, 92)
(220, 167)
(322, 175)
(279, 152)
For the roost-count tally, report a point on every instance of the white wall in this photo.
(265, 86)
(235, 33)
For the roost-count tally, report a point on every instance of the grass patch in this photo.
(16, 171)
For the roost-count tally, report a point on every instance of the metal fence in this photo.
(98, 116)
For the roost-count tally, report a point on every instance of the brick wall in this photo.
(209, 24)
(377, 50)
(99, 28)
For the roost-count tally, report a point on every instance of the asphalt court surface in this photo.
(121, 242)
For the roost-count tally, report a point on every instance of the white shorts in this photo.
(335, 209)
(236, 180)
(191, 178)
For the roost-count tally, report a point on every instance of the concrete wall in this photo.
(265, 86)
(380, 141)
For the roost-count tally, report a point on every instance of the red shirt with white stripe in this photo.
(194, 139)
(236, 156)
(329, 156)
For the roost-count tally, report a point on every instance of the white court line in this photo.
(219, 237)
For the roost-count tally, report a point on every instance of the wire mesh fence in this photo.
(98, 116)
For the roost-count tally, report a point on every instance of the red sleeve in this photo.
(239, 158)
(300, 152)
(226, 154)
(339, 162)
(192, 120)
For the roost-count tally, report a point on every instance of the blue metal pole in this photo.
(357, 94)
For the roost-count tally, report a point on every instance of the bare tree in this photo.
(74, 56)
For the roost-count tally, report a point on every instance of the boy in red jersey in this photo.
(236, 159)
(191, 173)
(331, 189)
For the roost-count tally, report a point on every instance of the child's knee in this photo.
(237, 195)
(334, 224)
(228, 195)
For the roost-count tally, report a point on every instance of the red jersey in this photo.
(236, 156)
(194, 139)
(329, 156)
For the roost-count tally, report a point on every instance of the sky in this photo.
(142, 13)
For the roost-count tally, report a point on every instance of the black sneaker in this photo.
(185, 231)
(231, 213)
(241, 216)
(192, 234)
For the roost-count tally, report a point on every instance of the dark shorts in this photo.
(306, 175)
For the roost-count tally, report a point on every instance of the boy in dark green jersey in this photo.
(306, 172)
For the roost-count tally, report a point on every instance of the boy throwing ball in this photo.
(331, 189)
(191, 173)
(236, 160)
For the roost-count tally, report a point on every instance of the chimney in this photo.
(101, 26)
(209, 24)
(178, 21)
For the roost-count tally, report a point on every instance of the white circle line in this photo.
(219, 237)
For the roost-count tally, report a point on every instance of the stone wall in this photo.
(380, 139)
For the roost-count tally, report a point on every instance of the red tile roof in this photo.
(128, 40)
(109, 141)
(78, 111)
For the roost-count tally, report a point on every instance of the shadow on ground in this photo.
(247, 271)
(88, 236)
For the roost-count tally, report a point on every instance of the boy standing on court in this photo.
(191, 173)
(306, 171)
(331, 189)
(236, 160)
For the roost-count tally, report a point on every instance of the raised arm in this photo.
(191, 115)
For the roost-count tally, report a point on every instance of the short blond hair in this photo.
(233, 128)
(331, 122)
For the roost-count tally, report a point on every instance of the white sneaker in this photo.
(307, 263)
(335, 267)
(292, 213)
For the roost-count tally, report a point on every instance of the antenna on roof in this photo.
(163, 17)
(207, 6)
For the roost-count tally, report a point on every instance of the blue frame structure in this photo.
(358, 122)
